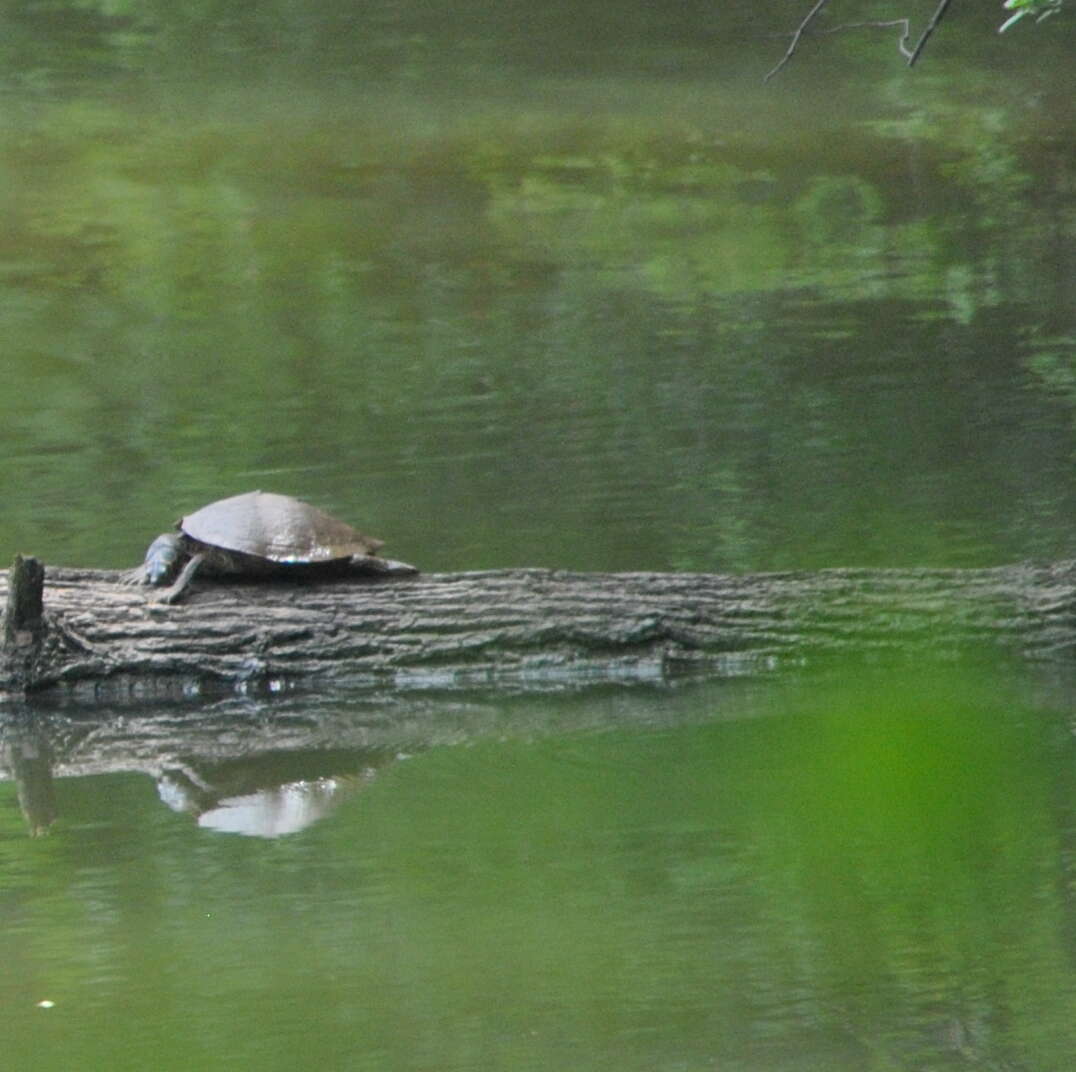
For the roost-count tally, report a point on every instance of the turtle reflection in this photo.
(267, 796)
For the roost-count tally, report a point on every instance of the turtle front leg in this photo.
(173, 593)
(162, 559)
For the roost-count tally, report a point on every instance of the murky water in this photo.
(528, 288)
(633, 323)
(854, 873)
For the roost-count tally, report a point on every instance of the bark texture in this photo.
(530, 627)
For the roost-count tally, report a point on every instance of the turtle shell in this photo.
(276, 527)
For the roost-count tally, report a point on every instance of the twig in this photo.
(796, 37)
(910, 54)
(902, 44)
(939, 14)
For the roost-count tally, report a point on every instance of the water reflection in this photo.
(526, 339)
(827, 873)
(252, 796)
(293, 770)
(25, 757)
(236, 799)
(266, 812)
(276, 766)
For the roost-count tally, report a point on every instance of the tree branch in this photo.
(910, 54)
(796, 37)
(939, 14)
(904, 24)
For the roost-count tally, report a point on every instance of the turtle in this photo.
(259, 534)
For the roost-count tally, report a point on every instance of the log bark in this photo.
(527, 628)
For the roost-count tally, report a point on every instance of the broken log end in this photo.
(24, 613)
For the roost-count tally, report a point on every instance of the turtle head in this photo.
(162, 558)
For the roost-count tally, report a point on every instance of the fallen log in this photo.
(524, 628)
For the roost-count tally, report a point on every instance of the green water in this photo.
(559, 286)
(572, 313)
(854, 874)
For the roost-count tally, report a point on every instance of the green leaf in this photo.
(1041, 8)
(1012, 21)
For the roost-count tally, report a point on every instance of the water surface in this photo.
(542, 287)
(850, 874)
(589, 316)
